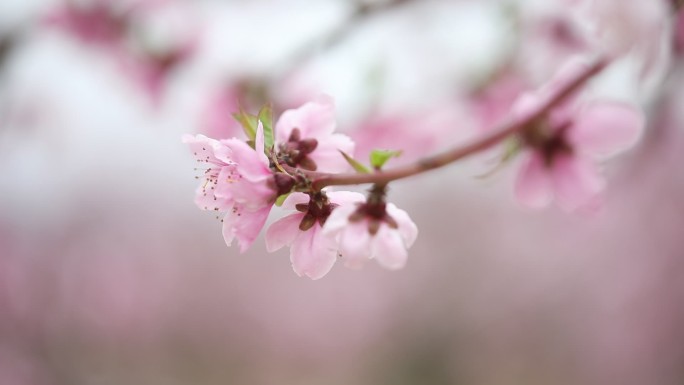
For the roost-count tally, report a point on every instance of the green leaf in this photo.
(281, 199)
(248, 122)
(378, 158)
(358, 166)
(266, 118)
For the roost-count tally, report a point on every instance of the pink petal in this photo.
(607, 128)
(253, 195)
(250, 163)
(533, 186)
(407, 229)
(228, 229)
(244, 225)
(313, 254)
(345, 197)
(313, 119)
(249, 228)
(295, 199)
(355, 244)
(208, 201)
(259, 145)
(339, 219)
(389, 249)
(283, 232)
(576, 182)
(327, 155)
(203, 149)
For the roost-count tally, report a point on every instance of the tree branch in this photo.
(321, 180)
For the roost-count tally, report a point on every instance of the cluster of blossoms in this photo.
(245, 179)
(292, 162)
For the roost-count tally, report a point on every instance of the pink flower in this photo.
(561, 148)
(150, 70)
(238, 182)
(312, 252)
(305, 138)
(679, 32)
(94, 23)
(364, 231)
(621, 25)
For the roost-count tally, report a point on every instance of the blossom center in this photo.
(549, 141)
(318, 210)
(295, 152)
(374, 210)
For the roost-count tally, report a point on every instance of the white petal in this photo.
(407, 228)
(313, 254)
(389, 249)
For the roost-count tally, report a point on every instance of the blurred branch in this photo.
(321, 180)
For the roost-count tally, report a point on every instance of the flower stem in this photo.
(321, 180)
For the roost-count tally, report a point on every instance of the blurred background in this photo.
(110, 275)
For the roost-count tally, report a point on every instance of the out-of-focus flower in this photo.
(312, 252)
(379, 231)
(416, 133)
(618, 27)
(550, 36)
(305, 138)
(238, 182)
(96, 22)
(217, 119)
(120, 29)
(679, 32)
(151, 69)
(561, 147)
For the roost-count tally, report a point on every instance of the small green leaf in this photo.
(281, 199)
(378, 158)
(266, 118)
(358, 166)
(248, 122)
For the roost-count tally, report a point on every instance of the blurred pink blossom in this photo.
(96, 22)
(560, 149)
(217, 119)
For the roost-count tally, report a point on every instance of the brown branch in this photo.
(321, 180)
